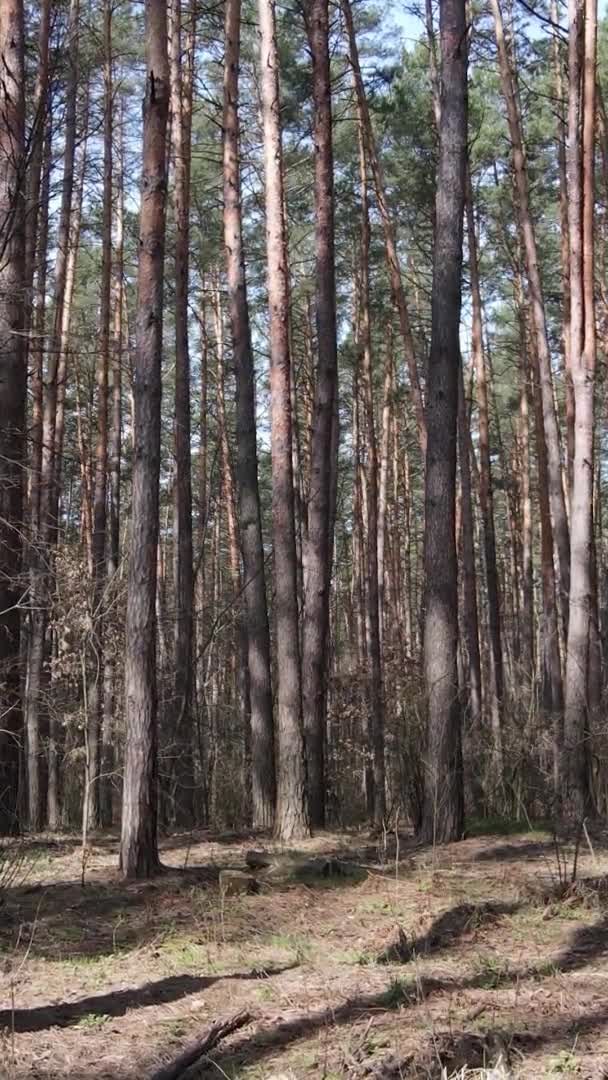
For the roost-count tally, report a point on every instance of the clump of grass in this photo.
(397, 993)
(564, 1062)
(300, 946)
(499, 826)
(92, 1021)
(490, 970)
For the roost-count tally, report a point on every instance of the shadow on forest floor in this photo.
(586, 944)
(161, 992)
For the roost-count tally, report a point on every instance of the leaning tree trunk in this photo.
(263, 782)
(12, 398)
(537, 305)
(444, 803)
(292, 810)
(139, 841)
(319, 535)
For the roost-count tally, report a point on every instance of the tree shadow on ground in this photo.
(447, 929)
(110, 915)
(161, 992)
(586, 944)
(528, 851)
(446, 1053)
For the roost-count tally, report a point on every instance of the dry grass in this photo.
(498, 972)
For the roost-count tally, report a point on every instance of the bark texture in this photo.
(444, 804)
(139, 844)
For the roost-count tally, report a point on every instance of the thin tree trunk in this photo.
(444, 803)
(390, 242)
(114, 459)
(564, 242)
(139, 842)
(470, 611)
(527, 578)
(550, 660)
(42, 577)
(486, 499)
(292, 810)
(385, 441)
(319, 534)
(12, 398)
(375, 691)
(542, 350)
(250, 520)
(95, 692)
(182, 71)
(581, 194)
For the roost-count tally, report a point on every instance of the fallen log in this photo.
(200, 1047)
(279, 868)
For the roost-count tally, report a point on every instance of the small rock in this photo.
(237, 883)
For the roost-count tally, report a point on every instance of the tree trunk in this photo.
(181, 133)
(95, 693)
(42, 576)
(12, 399)
(486, 499)
(581, 202)
(139, 843)
(319, 539)
(108, 755)
(370, 516)
(564, 242)
(292, 810)
(444, 809)
(250, 519)
(556, 491)
(390, 241)
(470, 610)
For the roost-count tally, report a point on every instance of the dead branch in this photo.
(200, 1047)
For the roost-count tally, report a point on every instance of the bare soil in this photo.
(480, 959)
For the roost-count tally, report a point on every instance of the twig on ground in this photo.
(200, 1047)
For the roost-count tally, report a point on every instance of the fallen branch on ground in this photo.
(200, 1047)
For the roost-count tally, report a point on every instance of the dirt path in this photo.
(462, 957)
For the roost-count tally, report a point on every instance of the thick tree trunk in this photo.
(12, 399)
(444, 809)
(292, 810)
(263, 782)
(319, 537)
(139, 844)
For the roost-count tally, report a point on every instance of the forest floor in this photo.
(496, 963)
